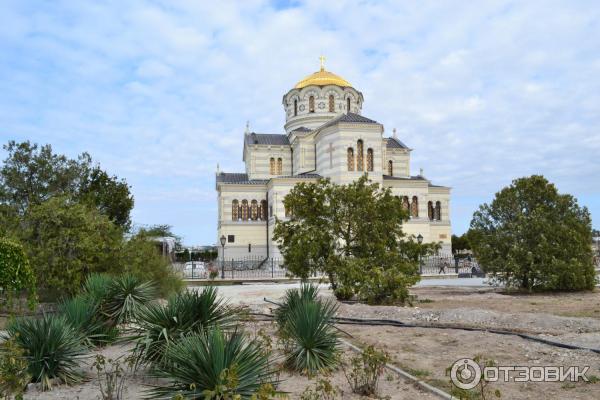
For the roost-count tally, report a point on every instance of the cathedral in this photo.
(325, 137)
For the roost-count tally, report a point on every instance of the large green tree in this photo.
(351, 232)
(66, 241)
(531, 236)
(32, 174)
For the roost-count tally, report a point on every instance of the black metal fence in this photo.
(264, 268)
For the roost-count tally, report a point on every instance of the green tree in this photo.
(66, 241)
(15, 273)
(351, 232)
(534, 238)
(141, 257)
(31, 174)
(460, 243)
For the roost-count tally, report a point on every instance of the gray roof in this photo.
(349, 118)
(408, 178)
(242, 179)
(302, 129)
(267, 139)
(302, 175)
(395, 143)
(238, 178)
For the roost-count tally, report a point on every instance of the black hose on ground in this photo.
(391, 322)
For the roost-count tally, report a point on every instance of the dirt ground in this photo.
(427, 352)
(390, 385)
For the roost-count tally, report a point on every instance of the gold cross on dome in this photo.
(322, 59)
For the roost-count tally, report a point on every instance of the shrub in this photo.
(365, 370)
(111, 377)
(323, 390)
(53, 348)
(13, 370)
(83, 313)
(384, 283)
(96, 286)
(313, 341)
(185, 313)
(343, 292)
(294, 297)
(126, 296)
(213, 365)
(15, 273)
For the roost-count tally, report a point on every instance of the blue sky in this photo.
(159, 91)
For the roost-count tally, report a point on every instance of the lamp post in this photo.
(223, 240)
(420, 241)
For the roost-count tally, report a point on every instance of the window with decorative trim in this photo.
(430, 211)
(254, 210)
(359, 156)
(348, 105)
(235, 210)
(279, 166)
(244, 210)
(405, 203)
(438, 211)
(414, 207)
(311, 104)
(390, 168)
(295, 108)
(369, 159)
(263, 210)
(331, 103)
(350, 159)
(272, 170)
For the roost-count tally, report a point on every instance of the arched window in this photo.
(279, 166)
(331, 103)
(272, 166)
(369, 159)
(348, 105)
(263, 210)
(254, 210)
(350, 159)
(430, 210)
(295, 107)
(311, 104)
(359, 156)
(405, 203)
(244, 210)
(390, 168)
(438, 211)
(235, 210)
(414, 207)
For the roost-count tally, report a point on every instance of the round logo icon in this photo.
(465, 373)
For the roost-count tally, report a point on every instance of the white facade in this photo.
(325, 136)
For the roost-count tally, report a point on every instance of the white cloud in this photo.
(160, 91)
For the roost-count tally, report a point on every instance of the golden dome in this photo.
(322, 78)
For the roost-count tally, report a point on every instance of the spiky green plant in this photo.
(312, 339)
(53, 348)
(126, 296)
(213, 365)
(293, 297)
(184, 314)
(96, 286)
(83, 313)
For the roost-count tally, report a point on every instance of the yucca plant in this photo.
(53, 348)
(83, 313)
(293, 297)
(213, 365)
(312, 339)
(185, 313)
(125, 296)
(96, 286)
